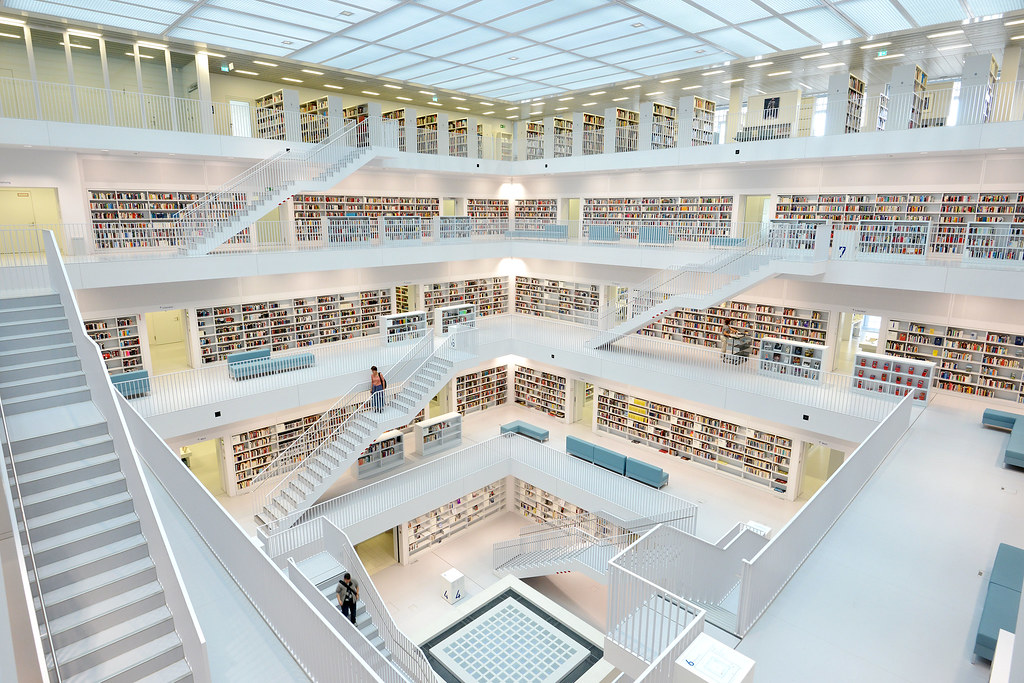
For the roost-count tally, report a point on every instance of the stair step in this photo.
(55, 426)
(47, 367)
(21, 327)
(174, 673)
(64, 572)
(67, 599)
(19, 405)
(14, 313)
(103, 614)
(31, 340)
(68, 473)
(89, 537)
(48, 299)
(41, 383)
(74, 493)
(103, 646)
(84, 514)
(62, 453)
(11, 357)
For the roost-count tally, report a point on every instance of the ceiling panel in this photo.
(581, 22)
(393, 21)
(543, 13)
(874, 16)
(327, 49)
(736, 41)
(824, 24)
(680, 14)
(325, 23)
(735, 11)
(927, 12)
(484, 11)
(779, 33)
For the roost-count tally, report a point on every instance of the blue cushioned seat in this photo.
(1008, 569)
(526, 429)
(645, 473)
(602, 233)
(131, 384)
(654, 234)
(609, 459)
(1000, 612)
(579, 448)
(259, 362)
(727, 241)
(998, 418)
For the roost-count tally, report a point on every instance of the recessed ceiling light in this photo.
(286, 42)
(669, 80)
(89, 47)
(487, 112)
(393, 87)
(511, 117)
(812, 56)
(404, 99)
(256, 61)
(311, 71)
(619, 99)
(359, 80)
(656, 92)
(462, 108)
(631, 87)
(691, 87)
(333, 87)
(588, 104)
(291, 80)
(733, 80)
(146, 43)
(954, 47)
(599, 92)
(712, 73)
(130, 54)
(435, 104)
(344, 13)
(486, 104)
(211, 54)
(779, 73)
(11, 35)
(804, 84)
(561, 108)
(1017, 37)
(638, 24)
(426, 92)
(11, 22)
(1014, 22)
(755, 65)
(892, 56)
(565, 99)
(829, 66)
(954, 32)
(511, 108)
(513, 58)
(871, 45)
(370, 92)
(460, 99)
(90, 34)
(247, 73)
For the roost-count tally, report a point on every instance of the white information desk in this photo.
(709, 661)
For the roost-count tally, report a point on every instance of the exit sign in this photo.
(882, 53)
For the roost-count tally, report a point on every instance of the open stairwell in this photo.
(281, 502)
(566, 549)
(101, 600)
(212, 221)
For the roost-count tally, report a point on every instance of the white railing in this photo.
(765, 575)
(405, 652)
(593, 142)
(994, 244)
(23, 268)
(663, 668)
(307, 636)
(772, 122)
(627, 138)
(105, 398)
(548, 547)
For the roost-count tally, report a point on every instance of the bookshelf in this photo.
(398, 115)
(663, 126)
(592, 132)
(319, 118)
(886, 239)
(459, 314)
(488, 294)
(882, 114)
(874, 373)
(458, 138)
(400, 327)
(385, 453)
(575, 302)
(346, 216)
(994, 242)
(792, 360)
(974, 362)
(845, 104)
(562, 130)
(272, 110)
(794, 235)
(481, 390)
(289, 323)
(696, 121)
(541, 506)
(533, 214)
(403, 298)
(907, 97)
(704, 327)
(695, 218)
(753, 455)
(505, 145)
(534, 140)
(540, 390)
(441, 523)
(437, 434)
(626, 130)
(119, 341)
(489, 215)
(455, 228)
(426, 134)
(141, 219)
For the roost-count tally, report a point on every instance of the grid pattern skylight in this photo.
(514, 50)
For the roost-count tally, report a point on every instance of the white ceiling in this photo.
(513, 50)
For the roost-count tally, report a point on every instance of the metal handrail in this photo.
(9, 453)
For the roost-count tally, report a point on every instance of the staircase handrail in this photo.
(409, 656)
(12, 481)
(321, 426)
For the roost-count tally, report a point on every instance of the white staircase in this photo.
(710, 283)
(281, 500)
(243, 200)
(98, 594)
(569, 548)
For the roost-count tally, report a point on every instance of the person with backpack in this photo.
(377, 386)
(348, 592)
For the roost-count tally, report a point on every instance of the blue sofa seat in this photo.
(526, 429)
(1002, 601)
(584, 450)
(727, 241)
(645, 473)
(550, 231)
(132, 384)
(654, 234)
(602, 233)
(259, 362)
(1013, 454)
(998, 419)
(609, 459)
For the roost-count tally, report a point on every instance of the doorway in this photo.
(448, 207)
(755, 212)
(204, 460)
(582, 402)
(440, 404)
(31, 207)
(379, 552)
(858, 331)
(819, 462)
(168, 345)
(241, 121)
(571, 215)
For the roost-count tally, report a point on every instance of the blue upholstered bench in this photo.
(550, 232)
(602, 233)
(726, 241)
(654, 234)
(526, 429)
(645, 473)
(259, 362)
(1014, 452)
(609, 459)
(584, 450)
(1002, 601)
(132, 384)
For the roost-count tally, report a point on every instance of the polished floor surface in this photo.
(378, 553)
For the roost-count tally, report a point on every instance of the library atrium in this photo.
(472, 340)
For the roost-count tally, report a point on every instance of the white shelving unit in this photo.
(692, 219)
(460, 314)
(874, 373)
(489, 294)
(575, 302)
(753, 455)
(119, 339)
(489, 216)
(994, 242)
(481, 389)
(541, 391)
(902, 240)
(534, 214)
(387, 452)
(800, 361)
(696, 121)
(438, 434)
(400, 327)
(353, 218)
(797, 235)
(540, 506)
(441, 523)
(277, 115)
(845, 104)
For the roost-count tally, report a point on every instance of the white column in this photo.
(71, 76)
(472, 139)
(443, 146)
(1008, 106)
(410, 130)
(205, 92)
(975, 88)
(610, 122)
(549, 137)
(645, 130)
(732, 123)
(577, 133)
